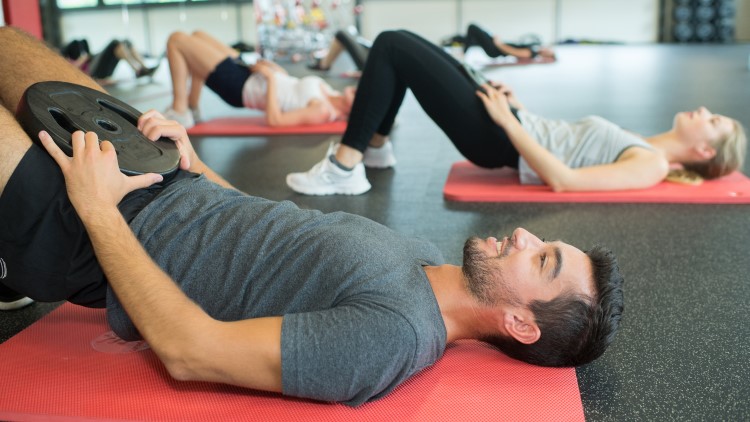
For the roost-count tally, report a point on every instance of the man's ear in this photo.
(520, 325)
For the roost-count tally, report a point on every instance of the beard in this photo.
(484, 275)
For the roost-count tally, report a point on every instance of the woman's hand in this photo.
(273, 66)
(509, 94)
(264, 69)
(497, 105)
(154, 126)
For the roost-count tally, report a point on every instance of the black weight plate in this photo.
(704, 13)
(683, 13)
(61, 108)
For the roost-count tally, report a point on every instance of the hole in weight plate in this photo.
(107, 125)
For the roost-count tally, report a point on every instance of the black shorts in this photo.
(228, 79)
(45, 251)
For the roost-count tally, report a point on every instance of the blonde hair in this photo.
(730, 155)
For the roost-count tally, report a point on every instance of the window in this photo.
(112, 2)
(70, 4)
(81, 4)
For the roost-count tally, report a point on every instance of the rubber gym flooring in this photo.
(683, 352)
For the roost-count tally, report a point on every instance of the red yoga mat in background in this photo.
(257, 126)
(469, 183)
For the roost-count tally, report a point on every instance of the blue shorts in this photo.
(228, 79)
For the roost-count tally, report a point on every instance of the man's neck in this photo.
(464, 318)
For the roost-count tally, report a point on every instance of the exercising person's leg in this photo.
(194, 57)
(357, 47)
(14, 143)
(401, 60)
(493, 46)
(127, 52)
(196, 83)
(13, 146)
(334, 51)
(44, 246)
(46, 252)
(478, 36)
(356, 50)
(26, 61)
(217, 45)
(103, 64)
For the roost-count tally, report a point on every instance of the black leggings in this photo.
(357, 47)
(103, 64)
(478, 36)
(400, 60)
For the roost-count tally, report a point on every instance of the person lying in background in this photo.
(491, 128)
(102, 65)
(287, 101)
(344, 40)
(494, 46)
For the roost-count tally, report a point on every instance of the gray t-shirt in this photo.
(359, 313)
(588, 142)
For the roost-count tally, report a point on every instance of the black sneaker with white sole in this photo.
(10, 299)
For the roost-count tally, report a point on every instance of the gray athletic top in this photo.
(359, 313)
(587, 142)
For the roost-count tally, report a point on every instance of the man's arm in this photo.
(191, 344)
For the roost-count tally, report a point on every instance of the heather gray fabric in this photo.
(359, 314)
(587, 142)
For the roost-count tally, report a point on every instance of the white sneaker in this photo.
(196, 115)
(185, 119)
(380, 158)
(326, 178)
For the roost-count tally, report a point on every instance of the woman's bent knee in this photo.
(389, 37)
(176, 39)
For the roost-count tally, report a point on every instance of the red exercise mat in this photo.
(67, 366)
(519, 61)
(480, 60)
(469, 183)
(257, 126)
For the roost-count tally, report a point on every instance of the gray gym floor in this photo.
(682, 353)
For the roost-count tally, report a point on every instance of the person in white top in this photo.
(287, 101)
(490, 127)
